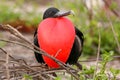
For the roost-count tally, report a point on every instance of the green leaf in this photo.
(58, 78)
(113, 5)
(27, 77)
(2, 44)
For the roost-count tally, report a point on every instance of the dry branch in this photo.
(98, 52)
(7, 67)
(113, 30)
(16, 33)
(112, 10)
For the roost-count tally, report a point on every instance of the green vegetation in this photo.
(101, 74)
(11, 13)
(27, 77)
(89, 26)
(90, 22)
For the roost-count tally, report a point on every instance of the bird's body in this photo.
(59, 38)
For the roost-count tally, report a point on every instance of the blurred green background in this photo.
(92, 18)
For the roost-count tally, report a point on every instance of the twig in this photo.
(90, 9)
(20, 36)
(24, 65)
(30, 49)
(10, 55)
(98, 52)
(114, 11)
(40, 51)
(1, 60)
(7, 68)
(113, 30)
(15, 32)
(7, 53)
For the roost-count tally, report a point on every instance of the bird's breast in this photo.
(56, 37)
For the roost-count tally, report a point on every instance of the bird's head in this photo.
(54, 12)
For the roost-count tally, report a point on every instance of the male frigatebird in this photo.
(57, 36)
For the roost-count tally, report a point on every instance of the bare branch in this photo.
(98, 52)
(40, 51)
(7, 68)
(113, 11)
(113, 30)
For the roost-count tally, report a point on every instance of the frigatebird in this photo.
(58, 36)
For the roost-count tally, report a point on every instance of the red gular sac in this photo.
(56, 37)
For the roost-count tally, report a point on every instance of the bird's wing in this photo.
(77, 47)
(80, 35)
(37, 55)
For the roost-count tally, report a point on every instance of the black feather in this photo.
(77, 47)
(37, 55)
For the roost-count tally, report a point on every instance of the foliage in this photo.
(101, 74)
(89, 26)
(10, 12)
(27, 77)
(58, 78)
(88, 22)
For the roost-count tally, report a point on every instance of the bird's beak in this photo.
(61, 14)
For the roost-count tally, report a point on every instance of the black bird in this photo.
(78, 41)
